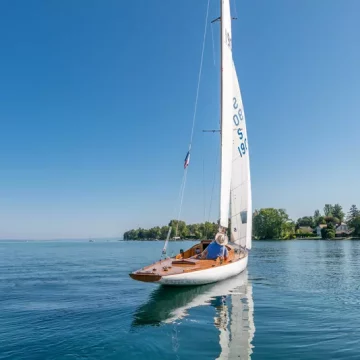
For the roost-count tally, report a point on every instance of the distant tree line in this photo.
(178, 228)
(268, 223)
(275, 224)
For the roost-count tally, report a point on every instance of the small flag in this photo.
(187, 160)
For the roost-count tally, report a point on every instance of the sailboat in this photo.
(235, 189)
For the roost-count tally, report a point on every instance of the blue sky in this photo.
(97, 100)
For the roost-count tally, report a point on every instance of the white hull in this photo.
(206, 276)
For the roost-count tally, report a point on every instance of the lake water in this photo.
(75, 300)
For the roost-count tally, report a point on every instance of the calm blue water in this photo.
(74, 300)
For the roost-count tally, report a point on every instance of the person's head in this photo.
(221, 239)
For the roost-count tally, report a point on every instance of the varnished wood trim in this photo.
(145, 277)
(183, 262)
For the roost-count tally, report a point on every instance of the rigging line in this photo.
(195, 107)
(179, 196)
(199, 77)
(204, 190)
(175, 208)
(212, 191)
(204, 183)
(213, 44)
(181, 202)
(238, 228)
(236, 13)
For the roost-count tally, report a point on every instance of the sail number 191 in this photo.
(239, 116)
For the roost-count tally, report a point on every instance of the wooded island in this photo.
(268, 223)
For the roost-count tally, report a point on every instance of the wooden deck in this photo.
(182, 263)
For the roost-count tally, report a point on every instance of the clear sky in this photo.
(97, 100)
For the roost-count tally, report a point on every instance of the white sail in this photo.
(241, 202)
(226, 113)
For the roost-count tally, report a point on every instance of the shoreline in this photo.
(305, 238)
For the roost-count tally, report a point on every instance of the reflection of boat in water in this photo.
(232, 300)
(235, 320)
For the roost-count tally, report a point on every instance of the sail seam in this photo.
(241, 184)
(235, 158)
(238, 213)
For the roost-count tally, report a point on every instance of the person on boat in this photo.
(217, 248)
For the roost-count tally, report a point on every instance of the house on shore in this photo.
(341, 230)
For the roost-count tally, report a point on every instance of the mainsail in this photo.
(235, 165)
(241, 203)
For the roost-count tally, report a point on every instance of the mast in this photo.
(221, 97)
(226, 113)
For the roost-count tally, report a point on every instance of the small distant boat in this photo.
(91, 240)
(235, 189)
